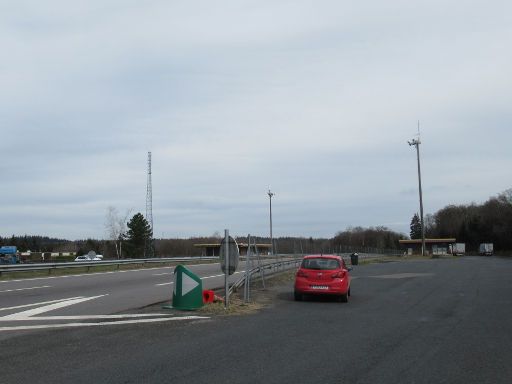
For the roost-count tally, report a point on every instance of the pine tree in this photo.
(415, 227)
(138, 236)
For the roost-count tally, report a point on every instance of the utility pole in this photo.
(416, 143)
(270, 195)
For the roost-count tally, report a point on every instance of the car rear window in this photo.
(320, 263)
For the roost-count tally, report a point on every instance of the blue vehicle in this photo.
(9, 255)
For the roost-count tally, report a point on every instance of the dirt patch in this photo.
(259, 297)
(236, 307)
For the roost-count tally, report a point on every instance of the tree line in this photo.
(490, 222)
(473, 224)
(137, 242)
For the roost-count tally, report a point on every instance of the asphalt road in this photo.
(434, 321)
(119, 291)
(70, 301)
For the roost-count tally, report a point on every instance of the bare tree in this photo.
(430, 225)
(506, 196)
(115, 225)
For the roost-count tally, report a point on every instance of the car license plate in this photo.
(319, 287)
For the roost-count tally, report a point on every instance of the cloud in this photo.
(317, 100)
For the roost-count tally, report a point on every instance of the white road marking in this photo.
(158, 285)
(85, 317)
(74, 325)
(30, 315)
(82, 275)
(211, 277)
(100, 273)
(35, 304)
(25, 289)
(401, 275)
(162, 274)
(202, 278)
(36, 311)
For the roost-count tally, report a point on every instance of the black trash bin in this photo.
(354, 259)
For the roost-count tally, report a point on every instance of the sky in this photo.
(315, 100)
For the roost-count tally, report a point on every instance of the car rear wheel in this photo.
(344, 298)
(298, 296)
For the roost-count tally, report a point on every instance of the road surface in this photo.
(432, 321)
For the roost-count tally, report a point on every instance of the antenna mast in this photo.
(149, 203)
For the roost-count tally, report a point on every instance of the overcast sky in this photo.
(316, 99)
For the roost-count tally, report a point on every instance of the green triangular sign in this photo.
(188, 289)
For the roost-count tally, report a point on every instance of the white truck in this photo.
(486, 249)
(457, 249)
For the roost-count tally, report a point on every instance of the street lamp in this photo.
(270, 194)
(416, 143)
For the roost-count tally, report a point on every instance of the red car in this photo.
(323, 275)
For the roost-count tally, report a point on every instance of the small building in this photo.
(213, 249)
(432, 246)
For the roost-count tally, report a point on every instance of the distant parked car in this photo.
(323, 275)
(89, 258)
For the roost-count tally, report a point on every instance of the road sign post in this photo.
(247, 270)
(229, 256)
(226, 269)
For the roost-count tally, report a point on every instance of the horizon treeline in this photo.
(473, 224)
(356, 239)
(490, 222)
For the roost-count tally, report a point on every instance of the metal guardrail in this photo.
(283, 263)
(270, 266)
(9, 268)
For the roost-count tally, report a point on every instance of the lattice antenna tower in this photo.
(149, 196)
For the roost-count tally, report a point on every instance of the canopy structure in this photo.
(433, 246)
(213, 249)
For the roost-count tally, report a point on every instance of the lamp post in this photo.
(416, 143)
(270, 195)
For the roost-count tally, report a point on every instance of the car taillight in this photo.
(339, 275)
(301, 273)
